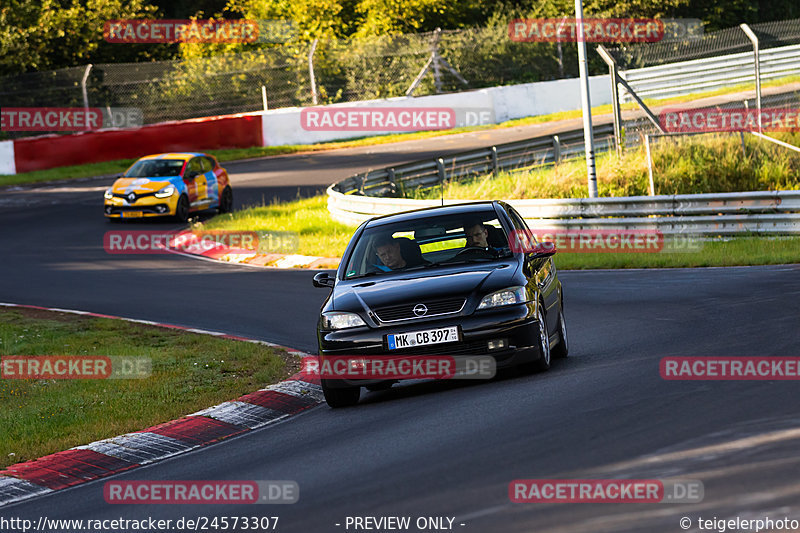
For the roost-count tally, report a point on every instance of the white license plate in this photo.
(422, 338)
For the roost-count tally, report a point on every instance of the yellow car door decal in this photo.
(202, 188)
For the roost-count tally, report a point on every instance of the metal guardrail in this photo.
(380, 192)
(686, 77)
(763, 212)
(541, 151)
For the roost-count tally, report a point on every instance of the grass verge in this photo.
(738, 251)
(189, 372)
(118, 166)
(319, 234)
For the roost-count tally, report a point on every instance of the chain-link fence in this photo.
(344, 71)
(720, 43)
(713, 44)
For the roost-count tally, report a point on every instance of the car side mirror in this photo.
(543, 249)
(323, 279)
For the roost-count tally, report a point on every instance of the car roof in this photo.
(173, 155)
(464, 209)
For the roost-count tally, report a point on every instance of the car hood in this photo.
(142, 185)
(423, 285)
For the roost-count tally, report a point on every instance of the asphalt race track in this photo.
(447, 449)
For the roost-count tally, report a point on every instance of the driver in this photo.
(477, 234)
(388, 251)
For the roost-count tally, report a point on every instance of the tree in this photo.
(380, 17)
(64, 33)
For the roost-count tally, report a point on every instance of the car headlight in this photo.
(108, 195)
(166, 192)
(339, 320)
(509, 296)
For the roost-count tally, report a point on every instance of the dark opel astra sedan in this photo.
(442, 281)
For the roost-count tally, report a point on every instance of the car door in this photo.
(543, 275)
(196, 183)
(212, 184)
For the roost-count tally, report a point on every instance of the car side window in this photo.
(207, 164)
(194, 166)
(518, 221)
(526, 236)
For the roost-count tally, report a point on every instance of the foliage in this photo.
(55, 34)
(60, 33)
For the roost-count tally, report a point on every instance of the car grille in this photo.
(136, 196)
(406, 311)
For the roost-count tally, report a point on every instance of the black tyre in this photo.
(544, 341)
(226, 201)
(341, 397)
(543, 363)
(561, 349)
(182, 209)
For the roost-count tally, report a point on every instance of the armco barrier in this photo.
(50, 151)
(768, 212)
(536, 152)
(699, 75)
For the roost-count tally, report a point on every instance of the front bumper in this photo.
(516, 324)
(148, 206)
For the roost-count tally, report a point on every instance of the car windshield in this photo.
(155, 168)
(428, 243)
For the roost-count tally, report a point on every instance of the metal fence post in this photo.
(614, 75)
(392, 182)
(311, 71)
(754, 39)
(440, 170)
(264, 97)
(586, 103)
(437, 73)
(649, 164)
(556, 149)
(495, 166)
(85, 92)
